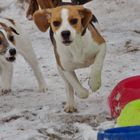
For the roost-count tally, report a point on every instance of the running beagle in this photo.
(13, 40)
(77, 44)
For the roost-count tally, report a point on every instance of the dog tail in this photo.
(33, 6)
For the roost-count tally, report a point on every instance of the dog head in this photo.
(7, 42)
(65, 21)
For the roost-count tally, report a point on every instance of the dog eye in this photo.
(56, 23)
(11, 38)
(74, 21)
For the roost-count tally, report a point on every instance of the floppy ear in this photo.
(41, 19)
(13, 30)
(8, 28)
(86, 16)
(3, 25)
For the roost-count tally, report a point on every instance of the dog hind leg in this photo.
(32, 61)
(27, 52)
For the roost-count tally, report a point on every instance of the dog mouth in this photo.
(67, 42)
(11, 59)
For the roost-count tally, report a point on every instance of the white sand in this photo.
(26, 114)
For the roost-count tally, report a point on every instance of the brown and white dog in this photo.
(77, 44)
(13, 40)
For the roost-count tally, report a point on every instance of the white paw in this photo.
(94, 83)
(5, 91)
(83, 94)
(70, 108)
(43, 89)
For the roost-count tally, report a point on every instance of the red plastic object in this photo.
(125, 91)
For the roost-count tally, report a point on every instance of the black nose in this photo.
(12, 51)
(65, 34)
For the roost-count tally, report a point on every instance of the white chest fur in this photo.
(80, 53)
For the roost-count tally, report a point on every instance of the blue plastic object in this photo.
(120, 133)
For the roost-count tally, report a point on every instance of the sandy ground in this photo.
(26, 114)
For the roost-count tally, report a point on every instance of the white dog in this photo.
(77, 44)
(13, 40)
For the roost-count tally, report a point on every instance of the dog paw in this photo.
(43, 89)
(83, 94)
(5, 91)
(94, 84)
(70, 109)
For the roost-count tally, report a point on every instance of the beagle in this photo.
(13, 40)
(34, 5)
(77, 44)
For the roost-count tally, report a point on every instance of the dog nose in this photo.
(12, 51)
(65, 34)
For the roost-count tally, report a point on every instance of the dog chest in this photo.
(80, 53)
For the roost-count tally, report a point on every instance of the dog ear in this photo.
(8, 28)
(13, 30)
(86, 15)
(41, 19)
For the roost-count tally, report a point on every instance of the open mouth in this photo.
(11, 59)
(67, 42)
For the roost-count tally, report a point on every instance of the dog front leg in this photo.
(70, 105)
(73, 80)
(96, 69)
(6, 78)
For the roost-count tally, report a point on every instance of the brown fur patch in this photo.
(95, 35)
(40, 19)
(11, 20)
(48, 3)
(55, 16)
(43, 4)
(3, 43)
(33, 6)
(9, 32)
